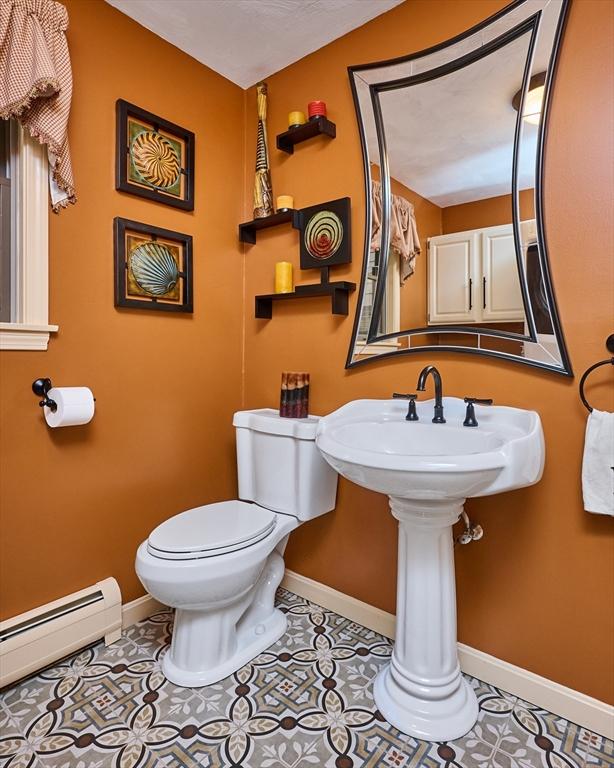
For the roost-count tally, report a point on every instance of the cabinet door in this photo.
(500, 294)
(452, 278)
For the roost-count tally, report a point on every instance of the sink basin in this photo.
(370, 443)
(428, 470)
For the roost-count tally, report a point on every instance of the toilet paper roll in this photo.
(75, 405)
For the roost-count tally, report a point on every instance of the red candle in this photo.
(316, 109)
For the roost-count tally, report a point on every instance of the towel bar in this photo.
(610, 346)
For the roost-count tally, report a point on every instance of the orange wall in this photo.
(414, 289)
(486, 213)
(538, 589)
(76, 502)
(428, 223)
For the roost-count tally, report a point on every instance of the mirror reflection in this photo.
(454, 253)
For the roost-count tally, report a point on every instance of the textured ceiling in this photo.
(451, 139)
(247, 40)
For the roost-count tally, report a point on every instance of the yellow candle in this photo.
(285, 201)
(283, 277)
(296, 118)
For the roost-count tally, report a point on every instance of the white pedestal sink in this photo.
(428, 470)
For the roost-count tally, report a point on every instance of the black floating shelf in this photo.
(247, 231)
(320, 125)
(338, 291)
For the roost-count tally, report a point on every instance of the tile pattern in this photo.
(306, 702)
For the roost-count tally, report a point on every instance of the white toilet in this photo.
(219, 565)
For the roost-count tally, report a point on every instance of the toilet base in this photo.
(251, 641)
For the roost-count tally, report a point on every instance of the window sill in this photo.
(378, 347)
(24, 336)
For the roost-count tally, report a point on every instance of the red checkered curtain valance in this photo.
(36, 82)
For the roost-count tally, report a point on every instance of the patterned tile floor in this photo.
(304, 703)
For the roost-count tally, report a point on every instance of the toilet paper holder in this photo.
(41, 388)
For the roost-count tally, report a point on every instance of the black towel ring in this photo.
(610, 345)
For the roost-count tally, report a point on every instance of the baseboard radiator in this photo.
(39, 637)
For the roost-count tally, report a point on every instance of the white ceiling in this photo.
(451, 139)
(247, 40)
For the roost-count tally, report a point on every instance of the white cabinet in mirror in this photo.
(473, 277)
(455, 253)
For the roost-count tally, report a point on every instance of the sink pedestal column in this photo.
(422, 692)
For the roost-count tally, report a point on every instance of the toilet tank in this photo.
(279, 466)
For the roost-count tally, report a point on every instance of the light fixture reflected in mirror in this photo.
(533, 101)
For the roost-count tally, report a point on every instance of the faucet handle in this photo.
(470, 420)
(412, 414)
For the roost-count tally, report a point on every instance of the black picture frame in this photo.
(140, 299)
(173, 138)
(341, 215)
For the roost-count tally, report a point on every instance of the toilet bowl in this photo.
(219, 565)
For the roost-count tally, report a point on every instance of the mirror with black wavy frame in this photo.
(453, 141)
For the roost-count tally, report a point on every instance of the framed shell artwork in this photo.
(153, 267)
(325, 234)
(155, 158)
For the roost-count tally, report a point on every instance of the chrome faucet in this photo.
(421, 386)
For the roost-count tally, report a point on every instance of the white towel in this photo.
(598, 463)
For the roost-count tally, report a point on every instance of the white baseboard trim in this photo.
(590, 713)
(139, 609)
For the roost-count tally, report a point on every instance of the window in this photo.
(390, 318)
(6, 275)
(24, 268)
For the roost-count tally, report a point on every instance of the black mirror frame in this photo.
(529, 24)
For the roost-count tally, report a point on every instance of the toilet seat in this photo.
(211, 530)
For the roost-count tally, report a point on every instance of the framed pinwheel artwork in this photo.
(325, 234)
(155, 158)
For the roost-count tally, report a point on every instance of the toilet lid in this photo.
(212, 529)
